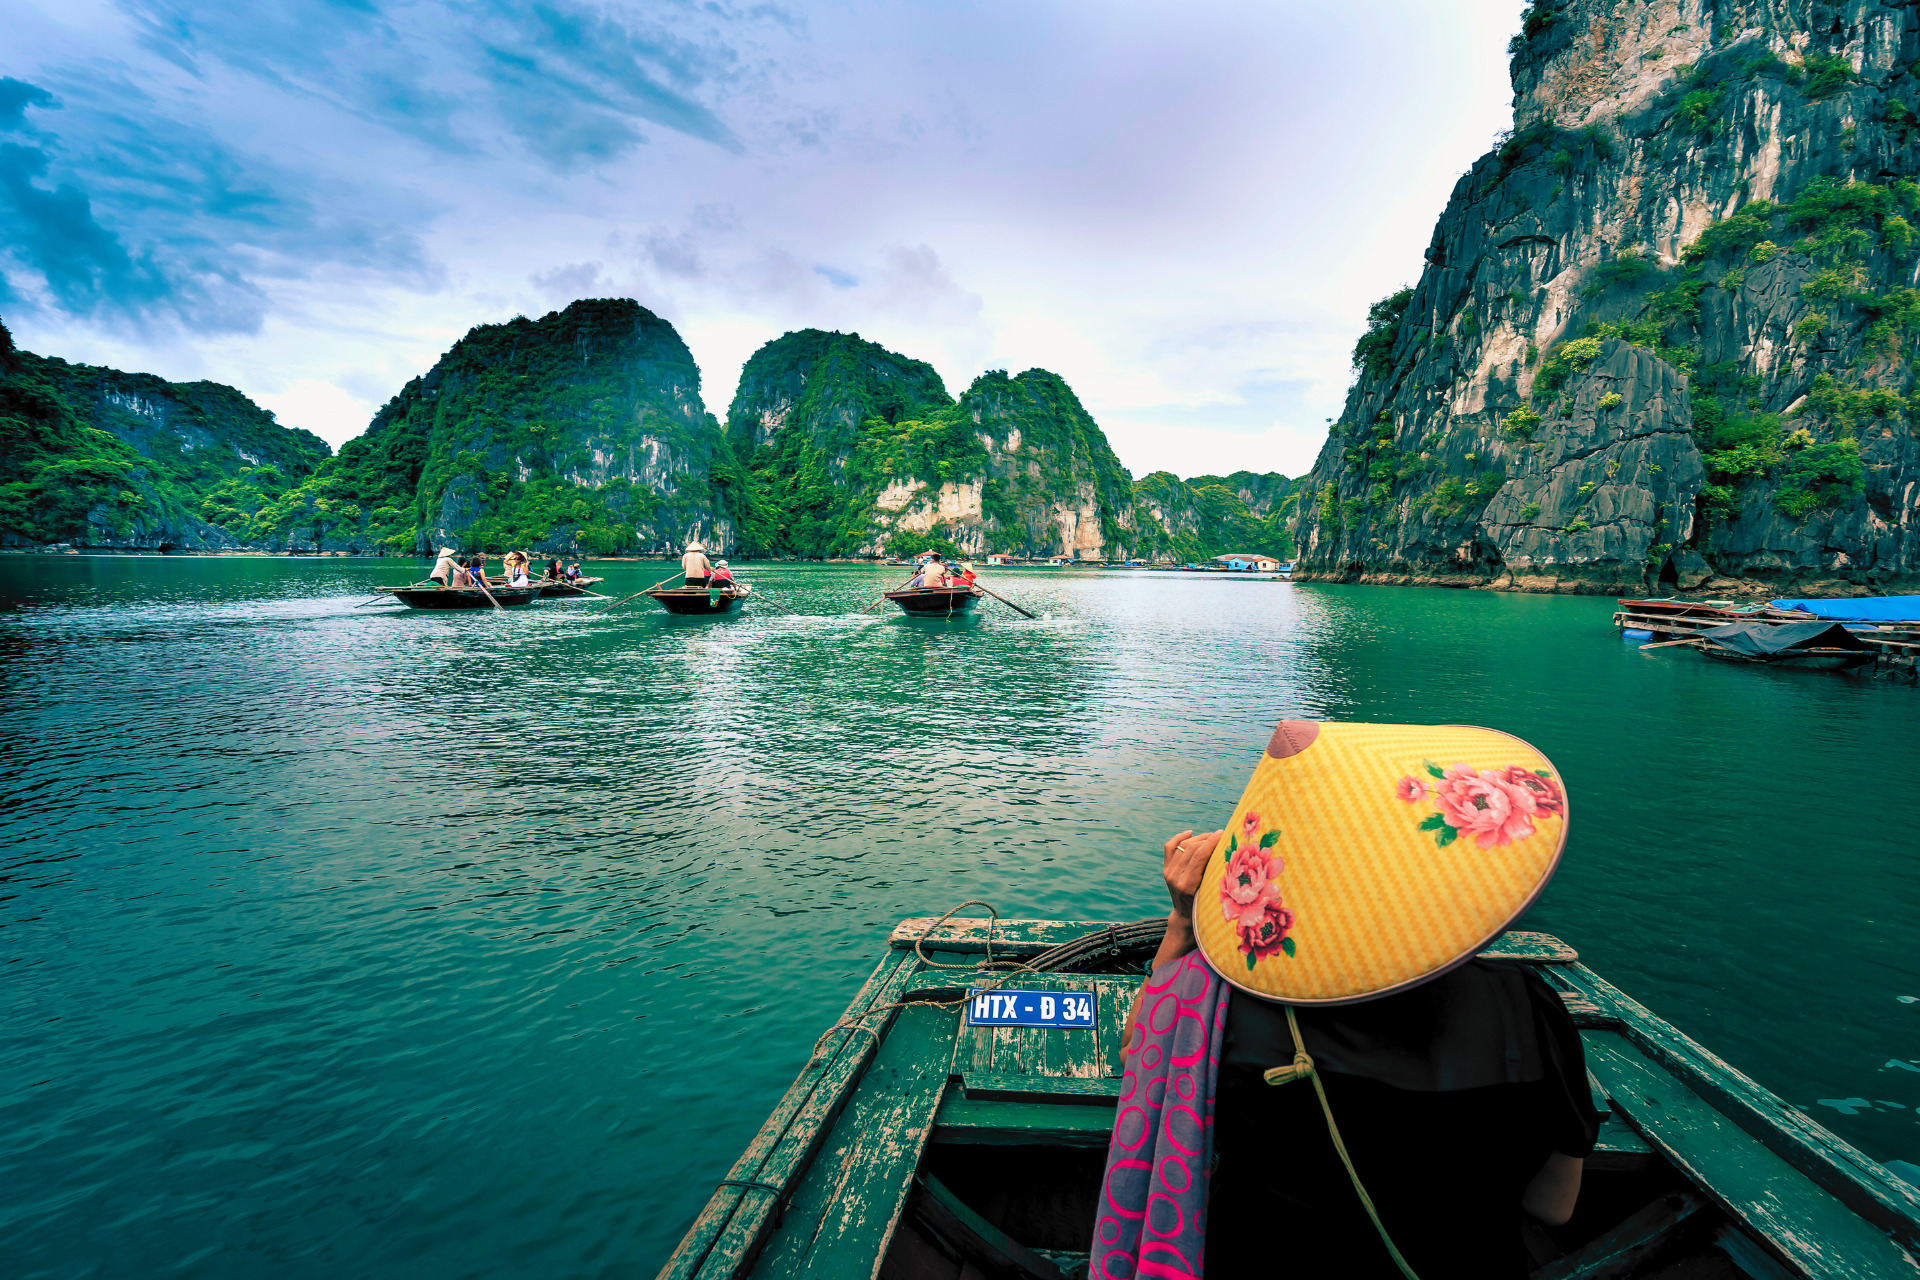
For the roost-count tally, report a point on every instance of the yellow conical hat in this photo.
(1367, 858)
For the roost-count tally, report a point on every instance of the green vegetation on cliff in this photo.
(581, 431)
(103, 457)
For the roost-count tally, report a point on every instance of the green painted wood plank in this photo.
(1622, 1251)
(1115, 999)
(1809, 1229)
(1073, 1052)
(1021, 1124)
(1866, 1186)
(1012, 939)
(843, 1210)
(795, 1123)
(1618, 1149)
(1521, 946)
(1101, 1090)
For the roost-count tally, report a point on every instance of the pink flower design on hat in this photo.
(1248, 886)
(1546, 793)
(1494, 806)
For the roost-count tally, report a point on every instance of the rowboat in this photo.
(1822, 646)
(695, 600)
(434, 596)
(935, 602)
(914, 1145)
(567, 590)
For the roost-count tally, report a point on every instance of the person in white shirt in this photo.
(443, 567)
(695, 564)
(935, 574)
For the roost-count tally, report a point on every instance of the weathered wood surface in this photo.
(977, 1239)
(1806, 1228)
(847, 1203)
(1026, 1051)
(1618, 1149)
(1103, 1091)
(1021, 1124)
(1620, 1251)
(1842, 1169)
(734, 1221)
(1018, 939)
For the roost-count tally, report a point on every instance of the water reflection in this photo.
(367, 939)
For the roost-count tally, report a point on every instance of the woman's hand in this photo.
(1184, 863)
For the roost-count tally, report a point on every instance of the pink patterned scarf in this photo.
(1153, 1198)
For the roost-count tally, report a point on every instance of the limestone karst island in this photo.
(961, 642)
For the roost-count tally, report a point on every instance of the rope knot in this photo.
(1302, 1068)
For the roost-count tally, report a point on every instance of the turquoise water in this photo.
(379, 943)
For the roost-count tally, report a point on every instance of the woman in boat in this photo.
(1461, 1099)
(516, 566)
(460, 578)
(573, 572)
(722, 575)
(935, 574)
(477, 570)
(443, 567)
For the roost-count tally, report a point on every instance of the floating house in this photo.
(1249, 562)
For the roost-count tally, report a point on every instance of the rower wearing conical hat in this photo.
(443, 567)
(1340, 939)
(695, 565)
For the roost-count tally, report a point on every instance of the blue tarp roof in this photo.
(1868, 609)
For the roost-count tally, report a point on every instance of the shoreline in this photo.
(1552, 584)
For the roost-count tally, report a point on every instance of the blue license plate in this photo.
(1029, 1008)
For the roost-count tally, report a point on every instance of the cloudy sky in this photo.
(1183, 209)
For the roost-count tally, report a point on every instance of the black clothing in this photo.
(1449, 1097)
(697, 582)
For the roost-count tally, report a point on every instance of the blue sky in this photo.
(1184, 210)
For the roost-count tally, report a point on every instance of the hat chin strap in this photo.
(1302, 1069)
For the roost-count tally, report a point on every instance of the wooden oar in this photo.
(1003, 600)
(761, 595)
(636, 595)
(376, 600)
(1665, 644)
(883, 597)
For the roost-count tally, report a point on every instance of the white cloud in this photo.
(1184, 211)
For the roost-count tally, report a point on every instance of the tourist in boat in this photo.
(966, 576)
(516, 569)
(553, 573)
(934, 574)
(460, 577)
(721, 576)
(573, 572)
(477, 570)
(1461, 1099)
(695, 565)
(443, 567)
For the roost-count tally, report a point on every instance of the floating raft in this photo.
(1891, 646)
(934, 1149)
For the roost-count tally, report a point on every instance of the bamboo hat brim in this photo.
(1365, 859)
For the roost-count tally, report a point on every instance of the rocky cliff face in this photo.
(112, 460)
(1666, 330)
(854, 450)
(579, 432)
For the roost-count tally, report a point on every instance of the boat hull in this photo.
(459, 598)
(568, 590)
(935, 602)
(694, 601)
(943, 1134)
